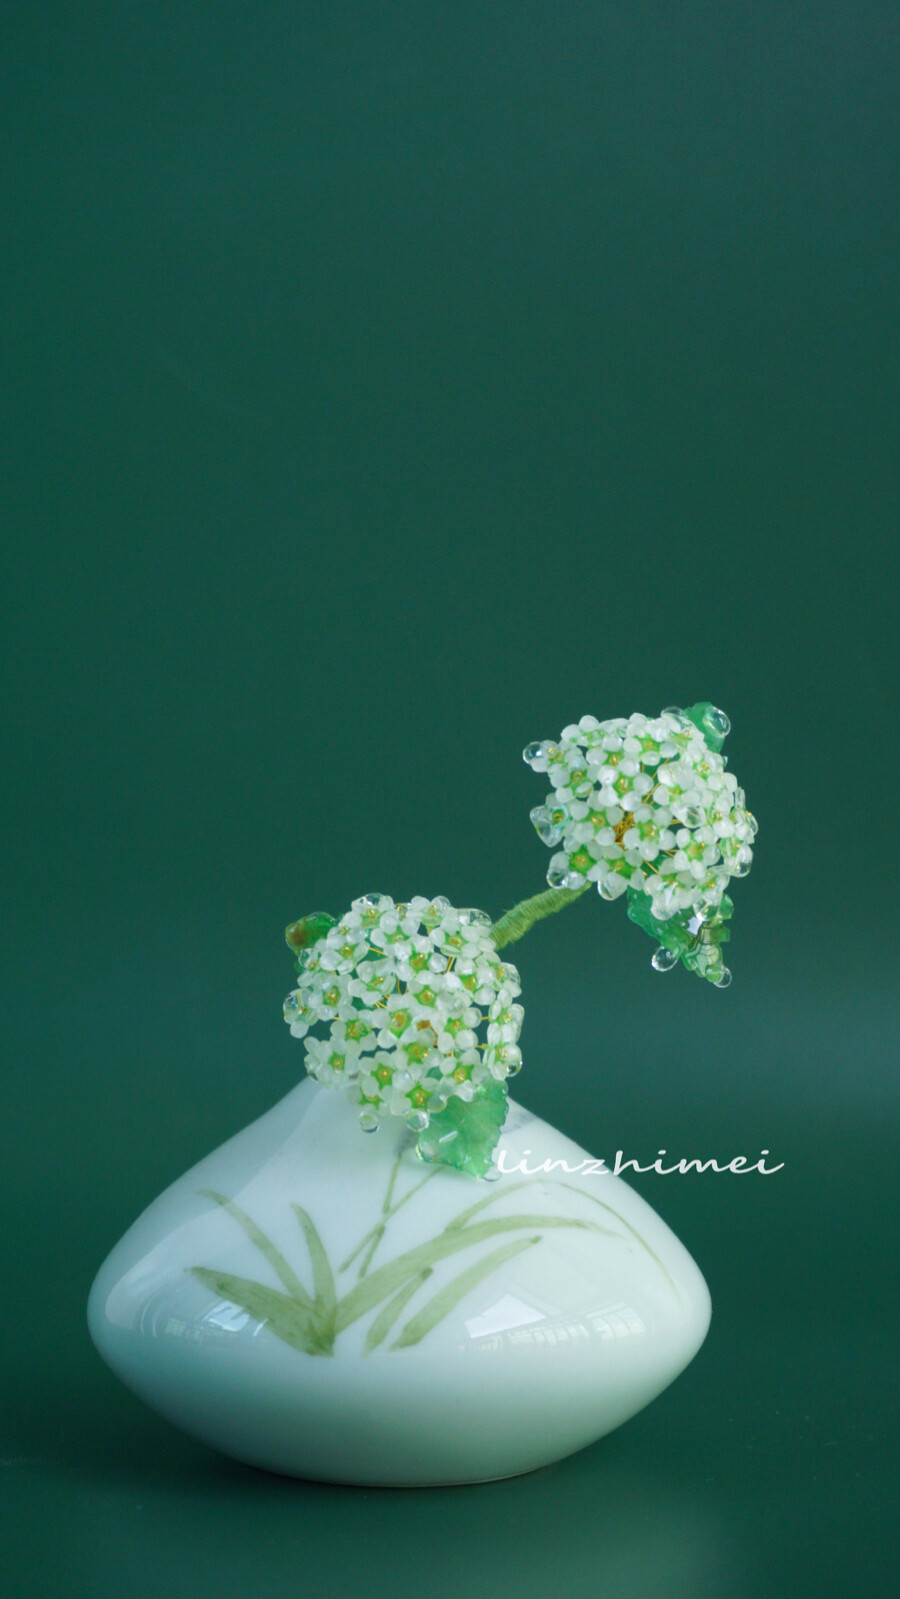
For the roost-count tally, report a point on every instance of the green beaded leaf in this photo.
(699, 950)
(673, 933)
(465, 1135)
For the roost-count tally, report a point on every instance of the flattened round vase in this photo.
(323, 1304)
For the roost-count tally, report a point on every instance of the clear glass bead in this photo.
(740, 868)
(418, 1120)
(662, 959)
(558, 871)
(715, 721)
(368, 1121)
(724, 979)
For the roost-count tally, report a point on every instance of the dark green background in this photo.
(387, 386)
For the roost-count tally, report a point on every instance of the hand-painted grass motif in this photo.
(311, 1320)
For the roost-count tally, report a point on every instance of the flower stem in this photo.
(516, 922)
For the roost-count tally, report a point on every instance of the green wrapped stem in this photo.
(516, 922)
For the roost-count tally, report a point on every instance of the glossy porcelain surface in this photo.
(319, 1302)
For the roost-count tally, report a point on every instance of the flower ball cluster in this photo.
(645, 804)
(418, 1004)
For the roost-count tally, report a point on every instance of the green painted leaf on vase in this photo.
(264, 1244)
(447, 1298)
(283, 1315)
(323, 1281)
(390, 1312)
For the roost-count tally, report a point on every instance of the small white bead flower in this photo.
(419, 1005)
(644, 806)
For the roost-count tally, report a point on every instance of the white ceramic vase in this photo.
(324, 1304)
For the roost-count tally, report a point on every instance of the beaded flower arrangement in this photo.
(418, 1011)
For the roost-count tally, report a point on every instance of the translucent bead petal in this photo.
(474, 918)
(558, 871)
(690, 815)
(612, 887)
(739, 868)
(549, 831)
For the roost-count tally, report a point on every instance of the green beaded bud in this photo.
(711, 722)
(302, 935)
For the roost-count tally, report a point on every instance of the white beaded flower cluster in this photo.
(645, 804)
(405, 990)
